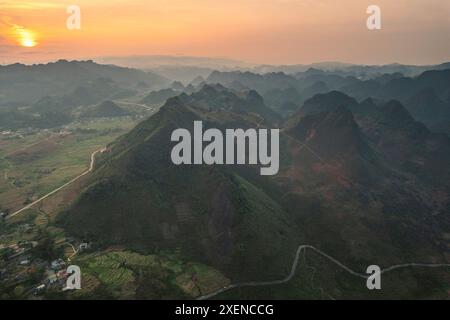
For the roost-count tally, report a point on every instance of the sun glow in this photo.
(28, 43)
(25, 37)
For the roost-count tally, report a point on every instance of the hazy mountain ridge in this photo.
(26, 84)
(407, 90)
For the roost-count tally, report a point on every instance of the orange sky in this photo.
(258, 31)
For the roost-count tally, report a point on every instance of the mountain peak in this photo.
(105, 109)
(312, 70)
(328, 102)
(177, 85)
(396, 112)
(177, 101)
(197, 81)
(331, 133)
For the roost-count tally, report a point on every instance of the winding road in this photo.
(295, 265)
(91, 167)
(250, 283)
(148, 108)
(75, 251)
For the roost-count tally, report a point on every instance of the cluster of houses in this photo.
(20, 255)
(21, 133)
(20, 249)
(17, 257)
(56, 273)
(13, 134)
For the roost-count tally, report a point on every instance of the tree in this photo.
(46, 248)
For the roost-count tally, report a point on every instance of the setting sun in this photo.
(27, 42)
(25, 37)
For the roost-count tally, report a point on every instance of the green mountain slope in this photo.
(340, 188)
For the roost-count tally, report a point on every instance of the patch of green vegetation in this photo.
(125, 274)
(39, 162)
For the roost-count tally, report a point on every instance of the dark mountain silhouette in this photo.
(328, 102)
(318, 127)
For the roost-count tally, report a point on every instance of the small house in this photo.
(57, 264)
(62, 274)
(84, 246)
(24, 262)
(52, 278)
(39, 289)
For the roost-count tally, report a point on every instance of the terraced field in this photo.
(125, 274)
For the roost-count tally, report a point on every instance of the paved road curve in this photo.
(294, 269)
(91, 167)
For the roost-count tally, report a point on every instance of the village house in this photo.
(51, 277)
(39, 289)
(24, 262)
(84, 246)
(62, 274)
(57, 264)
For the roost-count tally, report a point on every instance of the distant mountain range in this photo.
(355, 69)
(59, 87)
(23, 84)
(185, 68)
(425, 96)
